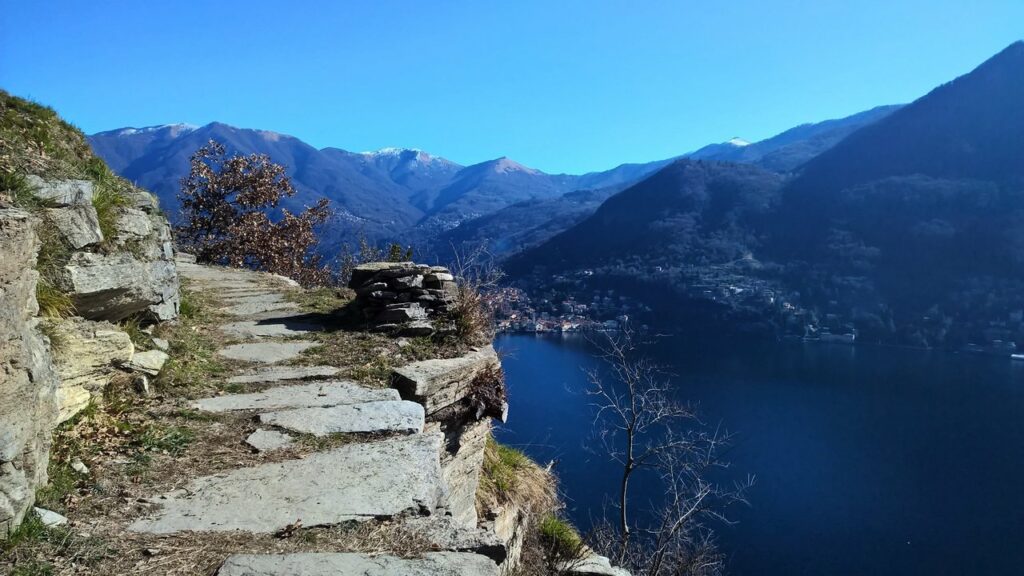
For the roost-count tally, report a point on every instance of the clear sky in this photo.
(564, 86)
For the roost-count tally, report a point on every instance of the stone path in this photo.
(327, 564)
(394, 473)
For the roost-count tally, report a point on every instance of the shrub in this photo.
(562, 544)
(226, 204)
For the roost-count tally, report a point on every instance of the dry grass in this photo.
(321, 300)
(194, 366)
(370, 357)
(510, 478)
(192, 554)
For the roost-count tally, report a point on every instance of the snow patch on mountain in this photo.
(175, 129)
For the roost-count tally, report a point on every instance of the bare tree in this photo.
(478, 276)
(641, 426)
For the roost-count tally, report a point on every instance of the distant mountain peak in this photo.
(504, 165)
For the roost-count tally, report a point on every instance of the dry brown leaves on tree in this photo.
(227, 203)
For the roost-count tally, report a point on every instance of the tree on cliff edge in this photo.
(227, 202)
(642, 428)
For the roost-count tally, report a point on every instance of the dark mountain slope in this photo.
(911, 228)
(690, 211)
(527, 224)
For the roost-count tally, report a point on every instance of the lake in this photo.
(869, 460)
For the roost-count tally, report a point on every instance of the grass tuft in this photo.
(510, 477)
(53, 303)
(560, 539)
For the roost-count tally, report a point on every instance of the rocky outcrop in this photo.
(449, 390)
(442, 383)
(85, 354)
(409, 298)
(28, 383)
(112, 278)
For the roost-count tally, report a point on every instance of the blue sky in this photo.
(564, 86)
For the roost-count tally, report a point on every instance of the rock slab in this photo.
(283, 373)
(317, 394)
(269, 440)
(266, 352)
(440, 383)
(389, 416)
(338, 564)
(352, 482)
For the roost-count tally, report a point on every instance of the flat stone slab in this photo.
(351, 482)
(149, 362)
(388, 416)
(281, 326)
(266, 298)
(315, 394)
(253, 308)
(266, 352)
(269, 440)
(284, 373)
(339, 564)
(437, 383)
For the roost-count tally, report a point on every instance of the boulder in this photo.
(148, 362)
(115, 286)
(62, 192)
(133, 223)
(78, 225)
(269, 440)
(28, 383)
(85, 354)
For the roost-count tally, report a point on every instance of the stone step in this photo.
(316, 394)
(385, 479)
(398, 416)
(266, 352)
(275, 326)
(284, 373)
(254, 308)
(250, 298)
(338, 564)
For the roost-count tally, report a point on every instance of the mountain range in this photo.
(426, 200)
(909, 229)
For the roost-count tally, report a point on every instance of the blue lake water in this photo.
(869, 460)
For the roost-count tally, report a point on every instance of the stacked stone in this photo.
(405, 297)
